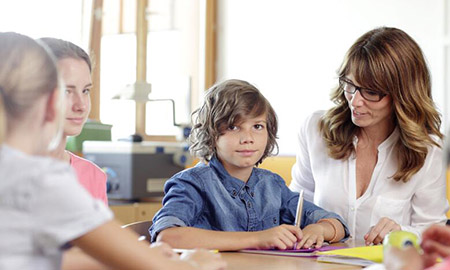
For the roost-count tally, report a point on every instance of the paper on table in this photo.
(305, 252)
(182, 250)
(355, 256)
(345, 260)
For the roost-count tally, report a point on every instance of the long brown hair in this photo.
(388, 60)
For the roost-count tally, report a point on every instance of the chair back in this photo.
(141, 228)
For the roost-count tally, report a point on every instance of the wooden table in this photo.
(245, 261)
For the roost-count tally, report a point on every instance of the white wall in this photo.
(291, 49)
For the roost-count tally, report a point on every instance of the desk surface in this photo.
(245, 261)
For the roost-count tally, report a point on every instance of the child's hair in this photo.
(27, 72)
(226, 104)
(65, 49)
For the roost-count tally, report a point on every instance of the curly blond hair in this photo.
(389, 60)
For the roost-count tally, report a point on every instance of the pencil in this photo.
(298, 214)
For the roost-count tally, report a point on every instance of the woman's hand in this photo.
(312, 234)
(377, 233)
(281, 237)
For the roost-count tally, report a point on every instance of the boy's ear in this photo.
(52, 110)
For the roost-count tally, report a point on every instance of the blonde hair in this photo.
(226, 104)
(388, 60)
(27, 72)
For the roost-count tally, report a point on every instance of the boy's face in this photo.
(242, 145)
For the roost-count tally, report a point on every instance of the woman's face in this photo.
(77, 77)
(369, 114)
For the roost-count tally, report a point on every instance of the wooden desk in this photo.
(245, 261)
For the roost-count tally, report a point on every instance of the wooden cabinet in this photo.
(132, 212)
(146, 211)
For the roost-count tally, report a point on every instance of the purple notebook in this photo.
(304, 252)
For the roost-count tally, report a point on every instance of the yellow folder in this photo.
(371, 253)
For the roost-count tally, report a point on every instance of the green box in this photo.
(92, 131)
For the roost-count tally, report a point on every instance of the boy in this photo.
(228, 204)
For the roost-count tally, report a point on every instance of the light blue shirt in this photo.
(207, 197)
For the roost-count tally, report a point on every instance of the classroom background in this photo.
(154, 59)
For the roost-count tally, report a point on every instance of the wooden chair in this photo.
(141, 228)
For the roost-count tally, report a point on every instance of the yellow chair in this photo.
(141, 228)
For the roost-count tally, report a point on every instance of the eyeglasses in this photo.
(366, 93)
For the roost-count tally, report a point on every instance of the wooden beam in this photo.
(121, 15)
(94, 51)
(210, 43)
(141, 60)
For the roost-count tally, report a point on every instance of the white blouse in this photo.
(331, 184)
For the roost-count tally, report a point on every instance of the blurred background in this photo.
(155, 58)
(289, 49)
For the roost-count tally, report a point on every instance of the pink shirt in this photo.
(90, 176)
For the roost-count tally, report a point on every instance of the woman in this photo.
(375, 158)
(75, 67)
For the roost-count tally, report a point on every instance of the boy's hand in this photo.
(312, 234)
(281, 237)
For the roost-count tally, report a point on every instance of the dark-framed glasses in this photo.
(368, 94)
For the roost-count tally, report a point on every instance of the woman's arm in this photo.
(281, 237)
(118, 248)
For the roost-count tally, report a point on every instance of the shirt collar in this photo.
(231, 184)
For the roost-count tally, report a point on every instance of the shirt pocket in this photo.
(390, 208)
(271, 221)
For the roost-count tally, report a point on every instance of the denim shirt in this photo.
(207, 197)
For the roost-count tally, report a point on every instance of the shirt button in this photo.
(274, 220)
(249, 204)
(234, 193)
(252, 194)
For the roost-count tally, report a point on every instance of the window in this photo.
(173, 69)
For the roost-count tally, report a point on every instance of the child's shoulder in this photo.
(200, 170)
(33, 171)
(85, 167)
(29, 164)
(264, 174)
